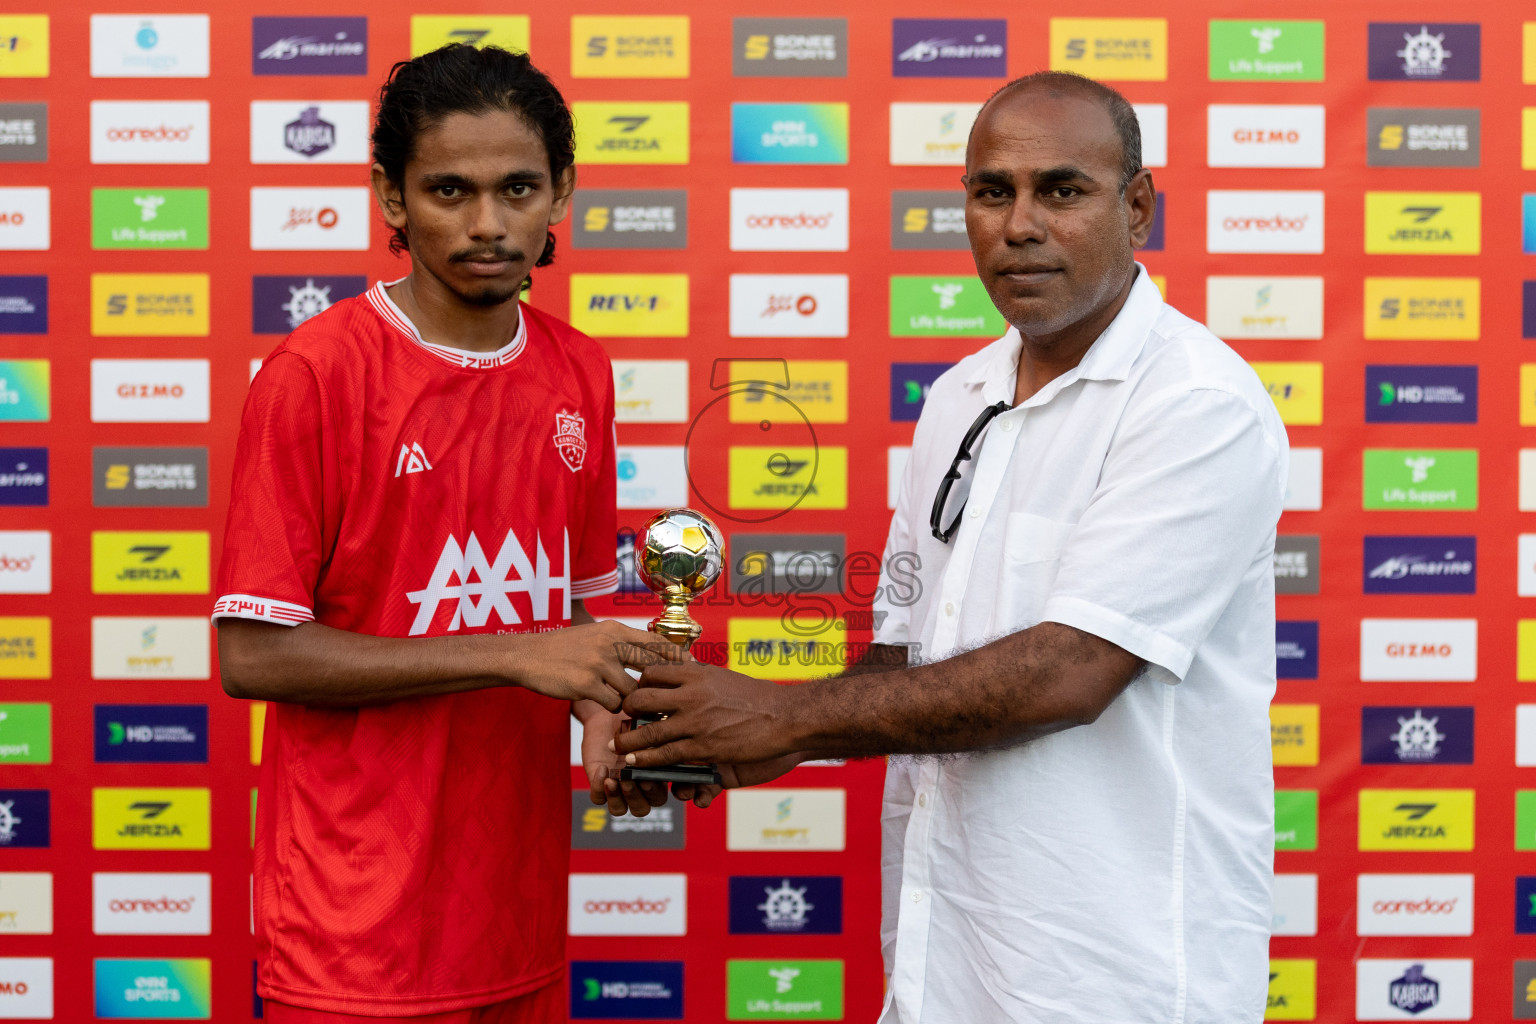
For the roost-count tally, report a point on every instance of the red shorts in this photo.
(541, 1006)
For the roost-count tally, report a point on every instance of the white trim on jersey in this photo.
(262, 609)
(597, 586)
(392, 314)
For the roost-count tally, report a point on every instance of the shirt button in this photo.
(1007, 425)
(917, 896)
(922, 799)
(949, 609)
(975, 512)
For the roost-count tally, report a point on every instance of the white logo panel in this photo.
(650, 390)
(786, 819)
(1264, 135)
(309, 132)
(1295, 905)
(26, 988)
(149, 46)
(137, 132)
(25, 219)
(1153, 118)
(931, 134)
(159, 903)
(629, 905)
(1237, 308)
(26, 562)
(149, 391)
(1263, 222)
(1418, 650)
(789, 305)
(1304, 485)
(1413, 905)
(652, 476)
(26, 903)
(789, 220)
(895, 467)
(1413, 989)
(309, 219)
(165, 647)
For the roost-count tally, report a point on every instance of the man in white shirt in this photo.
(1093, 634)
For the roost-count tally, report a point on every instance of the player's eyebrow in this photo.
(438, 178)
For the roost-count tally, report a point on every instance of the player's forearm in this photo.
(878, 658)
(1029, 684)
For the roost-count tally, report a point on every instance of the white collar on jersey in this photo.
(392, 313)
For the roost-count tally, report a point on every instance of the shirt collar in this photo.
(1110, 357)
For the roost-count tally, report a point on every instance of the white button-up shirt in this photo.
(1116, 872)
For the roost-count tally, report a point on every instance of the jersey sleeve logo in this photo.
(571, 439)
(412, 460)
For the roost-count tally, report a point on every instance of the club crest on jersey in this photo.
(571, 439)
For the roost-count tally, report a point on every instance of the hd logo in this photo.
(1416, 819)
(631, 133)
(1429, 223)
(149, 819)
(508, 31)
(168, 562)
(630, 305)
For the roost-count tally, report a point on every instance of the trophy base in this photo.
(687, 774)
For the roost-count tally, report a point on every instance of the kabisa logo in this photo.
(310, 135)
(281, 304)
(23, 132)
(630, 219)
(631, 133)
(787, 563)
(631, 990)
(24, 818)
(1112, 49)
(960, 48)
(780, 905)
(1415, 991)
(608, 46)
(1266, 51)
(909, 388)
(24, 304)
(1416, 735)
(789, 47)
(1420, 565)
(1421, 394)
(789, 133)
(23, 476)
(485, 586)
(151, 733)
(1425, 52)
(309, 46)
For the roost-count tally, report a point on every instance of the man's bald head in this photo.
(1065, 83)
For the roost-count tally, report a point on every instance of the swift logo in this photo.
(412, 460)
(493, 583)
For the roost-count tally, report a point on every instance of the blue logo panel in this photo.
(1528, 309)
(24, 818)
(151, 733)
(789, 133)
(949, 48)
(1420, 565)
(1155, 236)
(280, 304)
(1418, 51)
(23, 476)
(787, 905)
(1525, 905)
(909, 388)
(627, 990)
(24, 304)
(309, 46)
(1296, 650)
(1421, 394)
(1416, 734)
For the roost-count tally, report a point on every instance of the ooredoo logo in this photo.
(1264, 222)
(26, 562)
(135, 132)
(158, 903)
(789, 219)
(629, 904)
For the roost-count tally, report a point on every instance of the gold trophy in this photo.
(678, 555)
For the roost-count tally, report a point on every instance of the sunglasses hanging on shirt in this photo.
(947, 485)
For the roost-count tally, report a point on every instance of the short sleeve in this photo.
(273, 538)
(1186, 506)
(594, 555)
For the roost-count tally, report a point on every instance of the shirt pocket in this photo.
(1032, 549)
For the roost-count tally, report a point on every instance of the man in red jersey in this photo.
(424, 493)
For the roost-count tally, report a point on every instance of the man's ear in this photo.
(565, 188)
(1140, 207)
(387, 194)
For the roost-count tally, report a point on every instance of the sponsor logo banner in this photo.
(24, 818)
(26, 563)
(149, 305)
(26, 982)
(149, 819)
(1304, 484)
(159, 903)
(593, 828)
(149, 390)
(1403, 478)
(782, 478)
(1418, 650)
(630, 218)
(1525, 651)
(1268, 135)
(1295, 819)
(1440, 223)
(153, 989)
(1422, 137)
(650, 390)
(1525, 735)
(896, 458)
(630, 305)
(26, 643)
(24, 476)
(1266, 51)
(631, 133)
(133, 218)
(652, 476)
(1263, 222)
(1525, 819)
(164, 562)
(789, 220)
(1153, 118)
(26, 905)
(323, 219)
(149, 46)
(280, 304)
(817, 392)
(1421, 394)
(627, 989)
(1413, 989)
(1423, 308)
(785, 819)
(1414, 905)
(650, 904)
(1292, 990)
(1416, 735)
(789, 47)
(151, 733)
(309, 46)
(942, 307)
(508, 31)
(26, 736)
(1297, 564)
(1265, 307)
(25, 219)
(164, 647)
(1527, 131)
(1295, 906)
(1525, 970)
(789, 306)
(949, 48)
(1528, 222)
(1293, 734)
(768, 649)
(309, 132)
(1111, 49)
(1525, 904)
(24, 304)
(1295, 650)
(611, 46)
(931, 134)
(25, 53)
(23, 132)
(1420, 565)
(149, 477)
(1425, 51)
(1296, 389)
(789, 133)
(928, 220)
(1525, 574)
(1416, 819)
(909, 388)
(784, 990)
(787, 563)
(149, 132)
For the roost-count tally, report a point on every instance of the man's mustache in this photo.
(490, 254)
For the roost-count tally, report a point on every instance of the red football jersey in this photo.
(413, 858)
